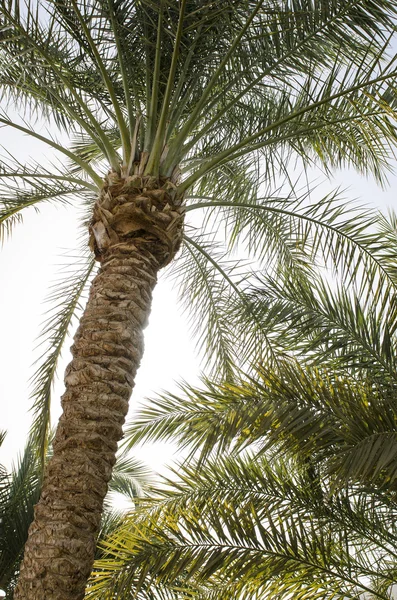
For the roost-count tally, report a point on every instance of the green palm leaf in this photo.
(348, 330)
(66, 303)
(131, 477)
(263, 527)
(19, 492)
(348, 427)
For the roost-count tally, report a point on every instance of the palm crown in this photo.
(161, 83)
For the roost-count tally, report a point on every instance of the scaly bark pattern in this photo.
(132, 242)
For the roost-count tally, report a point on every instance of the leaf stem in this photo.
(154, 159)
(124, 131)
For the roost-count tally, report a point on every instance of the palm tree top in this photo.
(196, 82)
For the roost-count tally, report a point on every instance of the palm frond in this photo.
(217, 288)
(65, 300)
(49, 72)
(201, 284)
(347, 427)
(20, 491)
(265, 528)
(347, 329)
(5, 121)
(315, 118)
(131, 477)
(26, 186)
(193, 418)
(295, 230)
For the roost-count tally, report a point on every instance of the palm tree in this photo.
(171, 107)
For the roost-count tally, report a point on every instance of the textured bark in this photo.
(132, 242)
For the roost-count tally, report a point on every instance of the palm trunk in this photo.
(133, 242)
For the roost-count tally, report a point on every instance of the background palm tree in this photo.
(249, 527)
(189, 104)
(20, 491)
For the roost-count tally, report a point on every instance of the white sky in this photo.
(28, 266)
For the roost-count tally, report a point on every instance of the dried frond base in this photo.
(142, 211)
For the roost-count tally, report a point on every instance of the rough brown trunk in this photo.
(133, 241)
